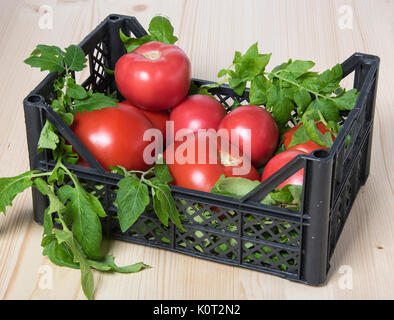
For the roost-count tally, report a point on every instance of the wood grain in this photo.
(209, 32)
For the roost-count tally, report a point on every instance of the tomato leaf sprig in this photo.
(160, 29)
(74, 209)
(70, 97)
(76, 242)
(133, 196)
(292, 92)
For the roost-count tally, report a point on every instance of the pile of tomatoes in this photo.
(155, 79)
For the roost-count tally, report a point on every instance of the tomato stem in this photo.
(152, 55)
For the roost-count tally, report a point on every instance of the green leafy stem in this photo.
(133, 196)
(73, 206)
(287, 92)
(294, 83)
(70, 97)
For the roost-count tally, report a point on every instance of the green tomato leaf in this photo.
(96, 101)
(328, 81)
(282, 196)
(269, 201)
(162, 30)
(57, 106)
(161, 213)
(131, 201)
(235, 82)
(57, 174)
(346, 100)
(86, 226)
(63, 236)
(300, 67)
(281, 106)
(237, 57)
(165, 206)
(75, 58)
(67, 117)
(251, 64)
(124, 38)
(134, 43)
(334, 127)
(239, 89)
(289, 196)
(252, 52)
(11, 187)
(280, 67)
(246, 68)
(222, 73)
(48, 138)
(296, 192)
(258, 90)
(59, 254)
(302, 98)
(55, 205)
(326, 107)
(47, 58)
(234, 187)
(75, 91)
(299, 137)
(87, 281)
(163, 173)
(316, 136)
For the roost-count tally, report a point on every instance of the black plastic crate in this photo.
(241, 232)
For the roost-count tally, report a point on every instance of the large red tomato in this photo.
(114, 136)
(196, 112)
(155, 76)
(280, 160)
(194, 174)
(263, 137)
(157, 118)
(309, 146)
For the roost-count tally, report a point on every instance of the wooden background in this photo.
(209, 31)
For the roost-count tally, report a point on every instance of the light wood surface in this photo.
(209, 31)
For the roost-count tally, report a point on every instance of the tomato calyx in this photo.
(228, 160)
(152, 55)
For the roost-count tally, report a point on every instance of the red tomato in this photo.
(263, 136)
(114, 136)
(197, 111)
(155, 76)
(157, 118)
(191, 174)
(194, 174)
(280, 160)
(309, 146)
